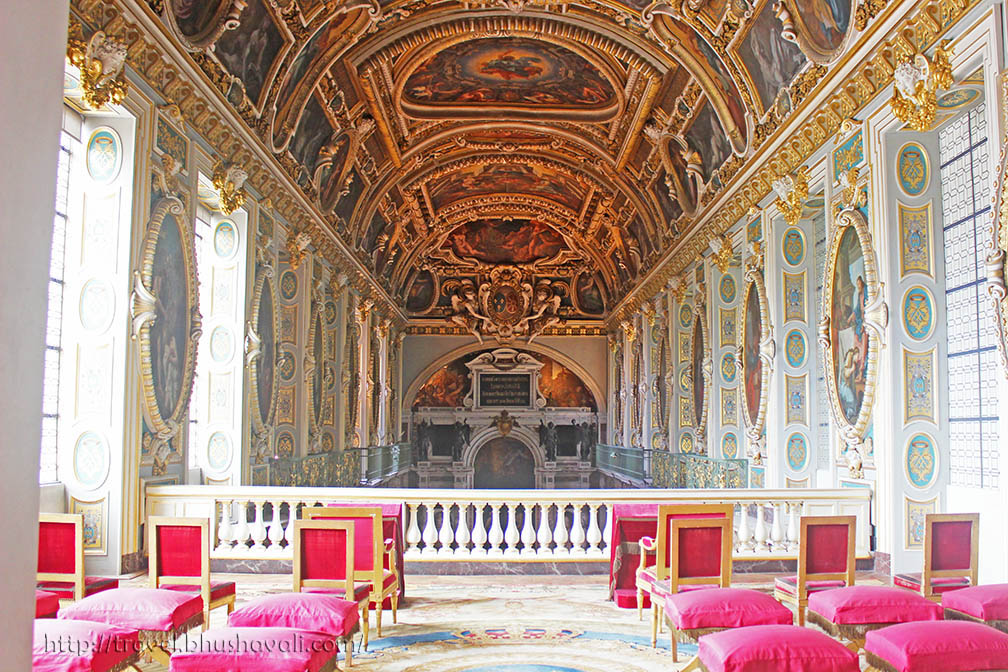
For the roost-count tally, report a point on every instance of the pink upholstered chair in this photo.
(68, 645)
(986, 604)
(324, 562)
(46, 604)
(772, 647)
(179, 559)
(369, 549)
(937, 646)
(61, 558)
(951, 547)
(825, 560)
(663, 549)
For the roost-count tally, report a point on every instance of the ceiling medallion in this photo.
(102, 63)
(915, 83)
(506, 307)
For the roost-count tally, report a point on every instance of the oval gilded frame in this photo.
(316, 375)
(995, 262)
(263, 419)
(876, 317)
(754, 282)
(144, 315)
(700, 328)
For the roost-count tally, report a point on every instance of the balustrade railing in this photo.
(256, 522)
(384, 462)
(682, 470)
(620, 461)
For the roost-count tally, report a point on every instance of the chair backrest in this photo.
(826, 550)
(368, 539)
(668, 513)
(703, 552)
(322, 555)
(951, 547)
(61, 549)
(179, 552)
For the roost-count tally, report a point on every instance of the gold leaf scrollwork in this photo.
(791, 194)
(229, 181)
(916, 82)
(102, 62)
(723, 252)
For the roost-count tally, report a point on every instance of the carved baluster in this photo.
(413, 531)
(446, 535)
(577, 536)
(794, 512)
(259, 529)
(496, 534)
(776, 528)
(607, 532)
(744, 534)
(594, 533)
(462, 530)
(241, 532)
(544, 535)
(430, 536)
(511, 534)
(275, 533)
(292, 514)
(479, 537)
(560, 531)
(528, 536)
(760, 533)
(225, 530)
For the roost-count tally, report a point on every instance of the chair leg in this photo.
(367, 627)
(640, 604)
(654, 626)
(693, 664)
(395, 606)
(206, 619)
(348, 645)
(674, 638)
(378, 610)
(801, 615)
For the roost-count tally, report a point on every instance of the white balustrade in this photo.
(581, 528)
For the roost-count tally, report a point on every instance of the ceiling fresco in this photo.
(572, 145)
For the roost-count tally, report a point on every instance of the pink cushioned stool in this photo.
(772, 648)
(315, 612)
(159, 615)
(46, 604)
(849, 613)
(257, 650)
(82, 646)
(983, 604)
(937, 646)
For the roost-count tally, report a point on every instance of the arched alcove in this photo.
(504, 463)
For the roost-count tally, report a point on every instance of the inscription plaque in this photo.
(497, 390)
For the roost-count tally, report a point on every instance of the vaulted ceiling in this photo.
(440, 140)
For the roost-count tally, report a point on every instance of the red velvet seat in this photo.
(825, 560)
(773, 648)
(160, 616)
(82, 646)
(937, 646)
(180, 560)
(851, 612)
(985, 604)
(46, 604)
(951, 547)
(240, 649)
(61, 558)
(723, 608)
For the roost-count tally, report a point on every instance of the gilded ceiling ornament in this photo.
(297, 248)
(102, 63)
(722, 248)
(916, 81)
(851, 196)
(229, 181)
(791, 194)
(677, 286)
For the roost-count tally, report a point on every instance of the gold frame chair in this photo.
(800, 598)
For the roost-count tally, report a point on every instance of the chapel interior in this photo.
(516, 279)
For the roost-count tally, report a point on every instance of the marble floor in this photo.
(500, 624)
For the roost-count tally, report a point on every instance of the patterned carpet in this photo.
(496, 624)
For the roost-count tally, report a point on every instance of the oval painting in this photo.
(422, 293)
(169, 331)
(266, 363)
(698, 379)
(847, 328)
(195, 17)
(318, 377)
(663, 358)
(752, 365)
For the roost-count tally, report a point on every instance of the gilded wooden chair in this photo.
(951, 548)
(179, 559)
(61, 558)
(825, 560)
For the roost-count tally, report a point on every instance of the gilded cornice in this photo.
(782, 149)
(213, 120)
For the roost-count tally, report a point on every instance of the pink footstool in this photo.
(46, 604)
(160, 616)
(849, 613)
(772, 648)
(82, 646)
(937, 646)
(257, 650)
(983, 604)
(315, 612)
(700, 612)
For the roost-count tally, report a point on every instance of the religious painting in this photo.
(250, 51)
(371, 234)
(344, 208)
(847, 330)
(588, 296)
(505, 242)
(316, 44)
(724, 83)
(667, 205)
(504, 463)
(198, 23)
(313, 131)
(524, 77)
(820, 26)
(332, 168)
(507, 178)
(263, 368)
(422, 292)
(561, 387)
(707, 136)
(193, 17)
(698, 356)
(770, 61)
(446, 388)
(318, 375)
(754, 331)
